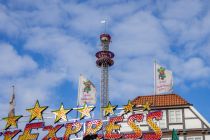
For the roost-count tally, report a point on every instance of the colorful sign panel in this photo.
(107, 130)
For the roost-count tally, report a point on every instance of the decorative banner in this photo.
(164, 79)
(86, 92)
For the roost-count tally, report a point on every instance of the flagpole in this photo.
(155, 83)
(78, 94)
(172, 82)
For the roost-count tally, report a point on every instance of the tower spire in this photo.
(104, 61)
(12, 103)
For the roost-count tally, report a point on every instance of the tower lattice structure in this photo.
(104, 61)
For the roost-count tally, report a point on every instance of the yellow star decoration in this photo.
(109, 109)
(36, 111)
(85, 111)
(146, 106)
(129, 107)
(61, 114)
(11, 121)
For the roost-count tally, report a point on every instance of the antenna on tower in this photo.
(105, 25)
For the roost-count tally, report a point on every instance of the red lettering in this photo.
(72, 128)
(52, 132)
(137, 131)
(113, 126)
(158, 133)
(93, 130)
(8, 135)
(27, 132)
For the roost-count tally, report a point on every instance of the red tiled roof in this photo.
(161, 100)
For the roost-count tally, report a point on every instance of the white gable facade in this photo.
(189, 123)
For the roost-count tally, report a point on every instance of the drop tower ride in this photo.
(104, 61)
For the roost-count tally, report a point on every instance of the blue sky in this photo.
(45, 45)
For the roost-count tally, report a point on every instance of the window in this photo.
(162, 122)
(194, 138)
(175, 116)
(144, 122)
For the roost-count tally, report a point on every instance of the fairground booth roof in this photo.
(162, 100)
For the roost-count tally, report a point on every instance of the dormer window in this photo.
(175, 116)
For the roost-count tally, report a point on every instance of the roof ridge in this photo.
(170, 99)
(159, 95)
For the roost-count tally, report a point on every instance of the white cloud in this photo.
(193, 30)
(68, 54)
(204, 51)
(13, 64)
(194, 68)
(9, 24)
(181, 9)
(139, 35)
(84, 19)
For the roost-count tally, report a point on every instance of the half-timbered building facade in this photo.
(177, 114)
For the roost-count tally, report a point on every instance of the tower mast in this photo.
(104, 61)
